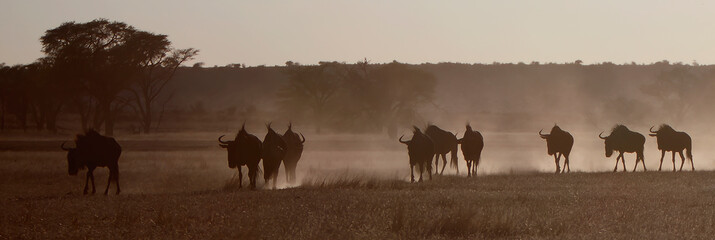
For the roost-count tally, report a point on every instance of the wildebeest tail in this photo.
(689, 151)
(453, 161)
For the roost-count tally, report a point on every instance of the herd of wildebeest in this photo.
(93, 150)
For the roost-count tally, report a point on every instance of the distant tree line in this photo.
(101, 72)
(358, 97)
(93, 69)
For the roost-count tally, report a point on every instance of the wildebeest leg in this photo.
(275, 178)
(109, 181)
(421, 166)
(287, 171)
(86, 180)
(623, 160)
(436, 164)
(444, 162)
(116, 179)
(252, 176)
(292, 173)
(616, 168)
(113, 175)
(475, 164)
(673, 160)
(469, 168)
(636, 166)
(566, 163)
(556, 160)
(429, 169)
(662, 154)
(412, 173)
(240, 177)
(683, 160)
(91, 177)
(473, 169)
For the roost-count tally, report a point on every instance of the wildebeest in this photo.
(94, 150)
(472, 145)
(245, 149)
(420, 149)
(273, 151)
(294, 151)
(673, 141)
(624, 140)
(444, 142)
(559, 143)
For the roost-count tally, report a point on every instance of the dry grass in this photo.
(584, 205)
(193, 194)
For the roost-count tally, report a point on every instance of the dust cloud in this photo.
(507, 103)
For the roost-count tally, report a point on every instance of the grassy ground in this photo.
(579, 205)
(178, 188)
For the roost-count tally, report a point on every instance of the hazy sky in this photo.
(273, 32)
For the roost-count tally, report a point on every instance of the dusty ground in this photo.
(352, 187)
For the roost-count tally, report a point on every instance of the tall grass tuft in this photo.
(351, 181)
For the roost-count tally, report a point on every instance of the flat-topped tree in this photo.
(105, 60)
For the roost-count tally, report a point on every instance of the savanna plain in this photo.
(354, 187)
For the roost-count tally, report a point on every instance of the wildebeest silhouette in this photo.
(444, 142)
(673, 141)
(94, 150)
(420, 149)
(472, 145)
(245, 149)
(273, 151)
(294, 151)
(624, 140)
(559, 143)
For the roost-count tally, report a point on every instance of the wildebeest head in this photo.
(74, 163)
(290, 132)
(619, 131)
(664, 129)
(289, 135)
(420, 148)
(275, 142)
(608, 144)
(554, 139)
(232, 148)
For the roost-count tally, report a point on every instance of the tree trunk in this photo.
(147, 123)
(108, 118)
(51, 119)
(147, 117)
(98, 119)
(85, 121)
(2, 114)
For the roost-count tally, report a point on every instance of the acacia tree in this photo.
(104, 59)
(157, 63)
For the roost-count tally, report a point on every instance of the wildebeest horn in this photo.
(268, 126)
(651, 129)
(599, 135)
(219, 139)
(405, 142)
(290, 124)
(302, 141)
(63, 147)
(543, 135)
